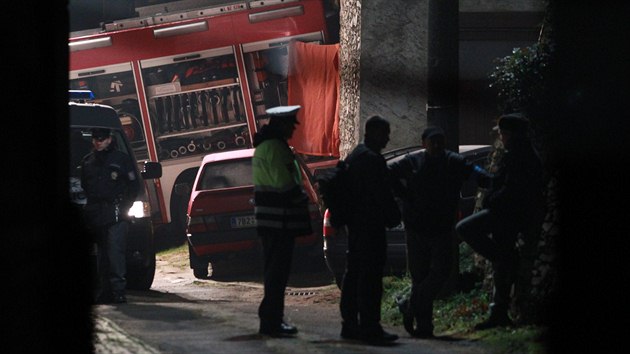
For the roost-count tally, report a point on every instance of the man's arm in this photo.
(398, 173)
(468, 169)
(483, 177)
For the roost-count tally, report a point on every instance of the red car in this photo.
(221, 223)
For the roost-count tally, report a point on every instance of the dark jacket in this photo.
(111, 185)
(517, 188)
(372, 201)
(431, 189)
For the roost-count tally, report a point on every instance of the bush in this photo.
(522, 82)
(456, 316)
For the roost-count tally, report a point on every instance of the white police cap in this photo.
(283, 111)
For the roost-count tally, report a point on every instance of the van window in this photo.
(226, 174)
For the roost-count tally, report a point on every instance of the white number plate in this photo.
(238, 222)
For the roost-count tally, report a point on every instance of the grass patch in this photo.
(175, 250)
(176, 256)
(457, 315)
(525, 340)
(460, 312)
(392, 288)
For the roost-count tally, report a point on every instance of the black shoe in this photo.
(119, 299)
(423, 334)
(493, 322)
(282, 330)
(350, 331)
(381, 337)
(286, 328)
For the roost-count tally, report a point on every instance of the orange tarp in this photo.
(313, 83)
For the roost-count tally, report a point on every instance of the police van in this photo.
(85, 116)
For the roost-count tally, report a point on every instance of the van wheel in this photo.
(141, 278)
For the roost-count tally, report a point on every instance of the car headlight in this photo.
(140, 209)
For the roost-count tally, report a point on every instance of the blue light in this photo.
(81, 95)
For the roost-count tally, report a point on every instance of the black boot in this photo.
(498, 318)
(423, 328)
(376, 335)
(279, 330)
(403, 307)
(350, 330)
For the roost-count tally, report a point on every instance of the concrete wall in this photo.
(500, 5)
(393, 65)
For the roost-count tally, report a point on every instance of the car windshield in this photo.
(226, 174)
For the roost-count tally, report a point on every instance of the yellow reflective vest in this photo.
(281, 204)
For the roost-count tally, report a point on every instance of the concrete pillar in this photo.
(443, 69)
(350, 70)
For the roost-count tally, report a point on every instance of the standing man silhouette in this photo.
(373, 209)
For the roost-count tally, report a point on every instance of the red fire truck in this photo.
(189, 83)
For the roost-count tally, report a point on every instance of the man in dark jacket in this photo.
(432, 181)
(373, 209)
(512, 205)
(281, 213)
(109, 180)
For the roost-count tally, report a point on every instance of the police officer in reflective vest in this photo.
(281, 213)
(111, 186)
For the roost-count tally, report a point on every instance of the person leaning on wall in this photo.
(513, 204)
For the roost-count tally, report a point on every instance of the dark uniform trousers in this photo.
(362, 286)
(277, 256)
(111, 262)
(111, 186)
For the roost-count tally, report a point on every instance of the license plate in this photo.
(238, 222)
